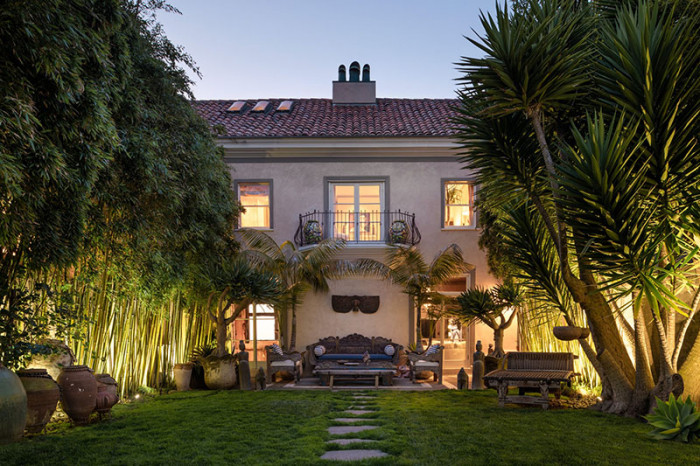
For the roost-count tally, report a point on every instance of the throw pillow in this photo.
(320, 350)
(432, 350)
(389, 350)
(276, 348)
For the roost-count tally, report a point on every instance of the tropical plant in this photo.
(581, 123)
(489, 306)
(675, 420)
(407, 268)
(299, 271)
(238, 284)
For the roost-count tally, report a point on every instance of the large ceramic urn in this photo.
(107, 393)
(13, 406)
(220, 373)
(42, 397)
(78, 393)
(183, 375)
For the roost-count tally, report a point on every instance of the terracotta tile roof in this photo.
(320, 118)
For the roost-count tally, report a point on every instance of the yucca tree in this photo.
(408, 268)
(299, 270)
(489, 306)
(238, 284)
(581, 122)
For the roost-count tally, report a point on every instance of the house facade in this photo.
(369, 170)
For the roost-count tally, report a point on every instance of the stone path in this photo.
(359, 408)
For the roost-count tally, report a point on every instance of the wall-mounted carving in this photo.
(364, 304)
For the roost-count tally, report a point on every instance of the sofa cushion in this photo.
(427, 363)
(389, 350)
(276, 348)
(337, 356)
(319, 350)
(286, 363)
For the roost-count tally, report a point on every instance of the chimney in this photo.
(354, 91)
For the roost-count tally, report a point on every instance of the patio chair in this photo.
(285, 362)
(428, 361)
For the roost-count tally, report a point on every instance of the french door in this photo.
(356, 211)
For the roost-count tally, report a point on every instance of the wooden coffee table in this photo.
(333, 370)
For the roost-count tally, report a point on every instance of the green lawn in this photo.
(284, 427)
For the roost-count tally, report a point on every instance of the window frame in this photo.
(383, 181)
(236, 188)
(471, 205)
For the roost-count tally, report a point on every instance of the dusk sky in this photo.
(283, 48)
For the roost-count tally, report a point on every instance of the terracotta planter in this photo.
(107, 393)
(42, 397)
(78, 393)
(568, 333)
(183, 375)
(220, 373)
(13, 406)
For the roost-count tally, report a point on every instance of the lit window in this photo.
(458, 202)
(357, 210)
(285, 106)
(255, 197)
(261, 106)
(264, 322)
(237, 106)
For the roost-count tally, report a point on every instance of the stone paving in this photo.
(359, 408)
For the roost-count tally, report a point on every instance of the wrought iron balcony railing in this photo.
(358, 227)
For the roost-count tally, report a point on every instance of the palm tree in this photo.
(489, 306)
(299, 271)
(407, 268)
(583, 132)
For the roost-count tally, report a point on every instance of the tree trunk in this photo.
(644, 379)
(419, 335)
(690, 371)
(293, 338)
(498, 350)
(221, 335)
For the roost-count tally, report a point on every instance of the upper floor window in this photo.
(256, 198)
(356, 210)
(458, 204)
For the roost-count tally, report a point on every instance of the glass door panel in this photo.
(356, 211)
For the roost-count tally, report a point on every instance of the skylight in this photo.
(237, 106)
(285, 106)
(261, 106)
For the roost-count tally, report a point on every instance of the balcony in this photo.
(358, 227)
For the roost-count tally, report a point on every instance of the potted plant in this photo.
(243, 285)
(398, 232)
(312, 232)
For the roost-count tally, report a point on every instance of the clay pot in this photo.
(13, 406)
(183, 375)
(42, 397)
(568, 333)
(107, 393)
(220, 373)
(78, 393)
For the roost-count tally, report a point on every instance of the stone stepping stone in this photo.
(340, 430)
(348, 441)
(352, 455)
(352, 419)
(358, 412)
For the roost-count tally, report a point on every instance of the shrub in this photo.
(675, 420)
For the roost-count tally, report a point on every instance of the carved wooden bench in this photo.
(532, 372)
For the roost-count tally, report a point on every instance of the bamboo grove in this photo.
(115, 202)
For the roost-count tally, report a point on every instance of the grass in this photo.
(284, 427)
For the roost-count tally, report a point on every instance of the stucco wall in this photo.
(416, 187)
